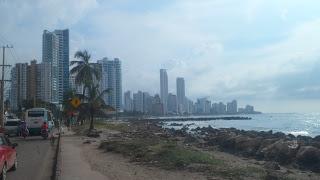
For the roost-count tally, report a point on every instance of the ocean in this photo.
(307, 124)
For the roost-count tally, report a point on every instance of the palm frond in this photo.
(75, 70)
(76, 62)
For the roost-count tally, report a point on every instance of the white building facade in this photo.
(111, 78)
(55, 50)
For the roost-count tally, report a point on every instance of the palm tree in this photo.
(85, 71)
(94, 102)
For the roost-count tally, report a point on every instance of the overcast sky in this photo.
(262, 52)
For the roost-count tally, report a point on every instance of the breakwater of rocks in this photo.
(301, 152)
(198, 118)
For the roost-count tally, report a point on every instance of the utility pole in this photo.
(2, 85)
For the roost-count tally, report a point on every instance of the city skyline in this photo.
(276, 70)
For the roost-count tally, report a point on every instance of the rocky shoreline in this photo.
(198, 118)
(301, 152)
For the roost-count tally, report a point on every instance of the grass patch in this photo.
(100, 125)
(122, 127)
(171, 155)
(249, 172)
(164, 154)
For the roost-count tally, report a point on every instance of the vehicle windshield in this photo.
(10, 117)
(12, 123)
(35, 113)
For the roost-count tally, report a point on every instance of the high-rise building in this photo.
(138, 102)
(128, 102)
(55, 50)
(232, 107)
(111, 79)
(221, 108)
(249, 109)
(18, 85)
(157, 106)
(32, 81)
(203, 106)
(181, 94)
(44, 82)
(190, 106)
(147, 103)
(172, 104)
(164, 89)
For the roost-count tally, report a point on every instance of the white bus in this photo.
(35, 117)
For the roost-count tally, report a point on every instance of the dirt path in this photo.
(116, 167)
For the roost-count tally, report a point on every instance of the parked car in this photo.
(8, 156)
(12, 126)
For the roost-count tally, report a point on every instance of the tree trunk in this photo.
(91, 120)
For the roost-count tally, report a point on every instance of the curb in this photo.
(56, 171)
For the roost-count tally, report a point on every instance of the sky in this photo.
(260, 52)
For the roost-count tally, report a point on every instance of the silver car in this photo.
(12, 127)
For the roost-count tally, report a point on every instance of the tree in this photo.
(94, 102)
(86, 72)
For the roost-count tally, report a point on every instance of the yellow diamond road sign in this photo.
(75, 102)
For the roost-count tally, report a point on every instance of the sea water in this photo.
(289, 123)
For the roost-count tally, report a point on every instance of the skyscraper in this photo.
(172, 104)
(181, 94)
(232, 107)
(55, 50)
(128, 102)
(164, 89)
(44, 83)
(138, 102)
(111, 79)
(18, 85)
(32, 81)
(147, 103)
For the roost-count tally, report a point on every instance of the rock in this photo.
(280, 151)
(228, 143)
(271, 175)
(309, 157)
(190, 139)
(272, 165)
(306, 140)
(93, 133)
(247, 145)
(176, 124)
(279, 135)
(317, 138)
(291, 137)
(87, 142)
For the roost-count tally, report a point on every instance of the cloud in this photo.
(24, 21)
(225, 50)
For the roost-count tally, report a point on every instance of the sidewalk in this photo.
(73, 166)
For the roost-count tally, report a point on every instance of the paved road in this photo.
(35, 159)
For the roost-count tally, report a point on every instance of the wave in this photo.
(302, 133)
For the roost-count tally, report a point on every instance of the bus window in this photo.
(35, 113)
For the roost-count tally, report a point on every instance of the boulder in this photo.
(272, 165)
(279, 135)
(309, 157)
(281, 151)
(191, 139)
(247, 145)
(264, 143)
(317, 138)
(306, 140)
(93, 133)
(228, 143)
